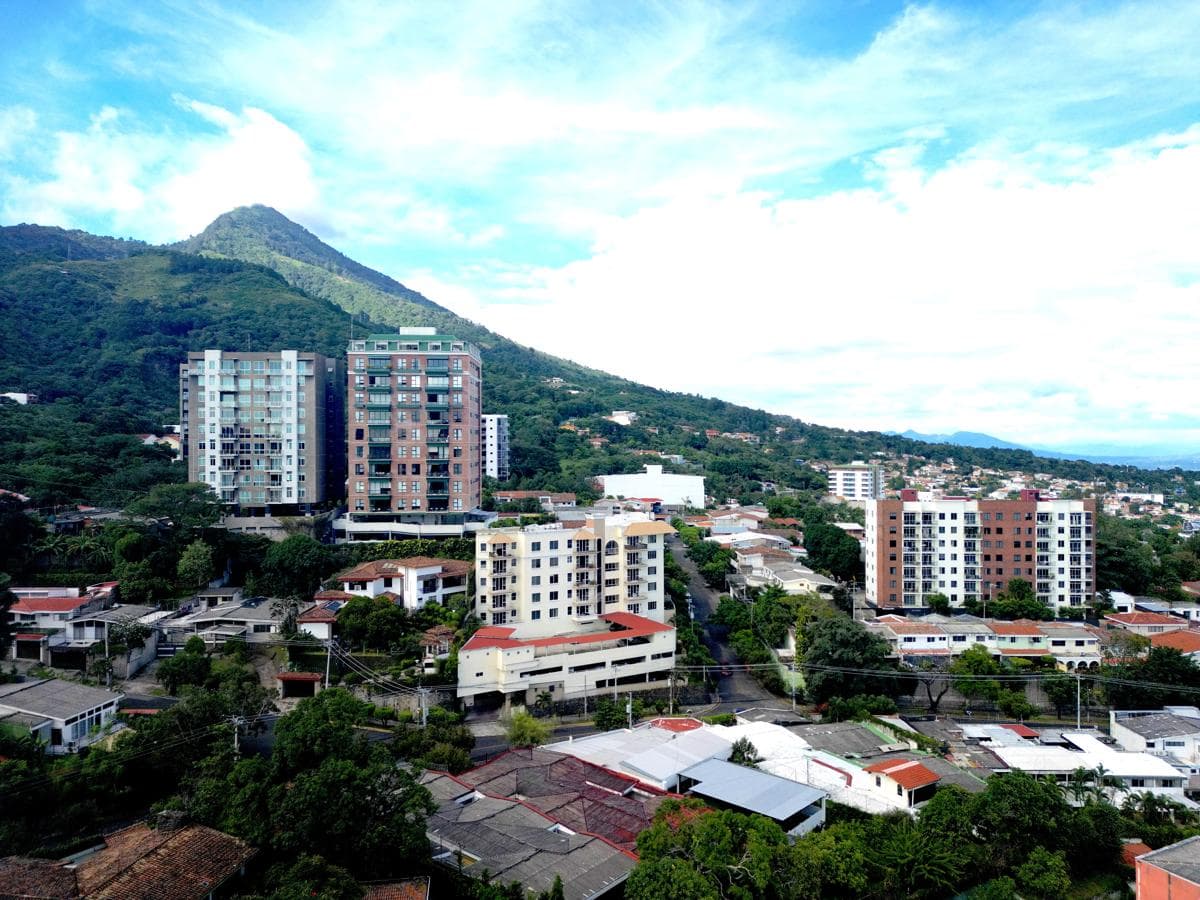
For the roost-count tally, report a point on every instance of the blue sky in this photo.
(875, 215)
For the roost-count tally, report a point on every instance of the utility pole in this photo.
(107, 658)
(1078, 694)
(423, 701)
(237, 722)
(328, 654)
(671, 692)
(629, 709)
(793, 685)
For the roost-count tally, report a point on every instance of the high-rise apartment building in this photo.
(570, 610)
(857, 481)
(266, 431)
(495, 446)
(414, 435)
(970, 549)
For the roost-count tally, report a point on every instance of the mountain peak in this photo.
(264, 235)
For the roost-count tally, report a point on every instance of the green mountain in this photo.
(97, 327)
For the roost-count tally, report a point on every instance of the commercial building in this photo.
(969, 549)
(414, 436)
(857, 481)
(569, 610)
(264, 430)
(678, 491)
(494, 449)
(1172, 732)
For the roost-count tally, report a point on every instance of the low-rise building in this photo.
(906, 780)
(1172, 732)
(620, 651)
(1073, 646)
(415, 582)
(677, 491)
(1145, 623)
(796, 807)
(254, 620)
(1170, 872)
(64, 715)
(1186, 642)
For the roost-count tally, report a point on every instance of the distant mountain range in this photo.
(1142, 457)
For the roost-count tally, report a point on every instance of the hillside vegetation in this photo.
(97, 327)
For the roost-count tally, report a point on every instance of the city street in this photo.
(738, 689)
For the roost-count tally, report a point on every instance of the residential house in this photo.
(319, 619)
(64, 715)
(1145, 623)
(904, 782)
(796, 807)
(1133, 772)
(188, 862)
(253, 620)
(93, 632)
(473, 832)
(1186, 642)
(548, 500)
(1173, 732)
(414, 582)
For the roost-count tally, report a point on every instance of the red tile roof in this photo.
(908, 773)
(408, 889)
(1183, 640)
(49, 604)
(1145, 618)
(1022, 730)
(1130, 852)
(386, 568)
(631, 626)
(43, 878)
(323, 612)
(677, 725)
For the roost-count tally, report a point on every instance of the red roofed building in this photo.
(417, 580)
(1145, 623)
(1185, 641)
(903, 782)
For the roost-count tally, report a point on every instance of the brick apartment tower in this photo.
(969, 549)
(264, 430)
(414, 402)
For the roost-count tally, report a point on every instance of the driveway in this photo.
(738, 689)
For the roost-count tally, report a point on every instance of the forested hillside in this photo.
(97, 327)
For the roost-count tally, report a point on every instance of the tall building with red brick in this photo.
(414, 402)
(970, 549)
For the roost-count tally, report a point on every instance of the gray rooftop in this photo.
(54, 698)
(242, 611)
(1160, 725)
(749, 789)
(1181, 859)
(116, 614)
(842, 738)
(516, 843)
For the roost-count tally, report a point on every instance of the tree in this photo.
(312, 876)
(555, 892)
(935, 679)
(832, 550)
(294, 567)
(972, 671)
(840, 643)
(1139, 680)
(1015, 704)
(1044, 874)
(197, 566)
(188, 667)
(1060, 690)
(523, 729)
(320, 727)
(609, 716)
(186, 506)
(938, 603)
(744, 753)
(286, 610)
(1017, 813)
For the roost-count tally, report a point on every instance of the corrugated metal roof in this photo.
(749, 789)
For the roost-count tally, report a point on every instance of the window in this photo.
(535, 615)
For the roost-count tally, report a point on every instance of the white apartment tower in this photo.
(569, 610)
(495, 446)
(857, 481)
(970, 549)
(264, 430)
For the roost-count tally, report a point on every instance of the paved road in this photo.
(739, 689)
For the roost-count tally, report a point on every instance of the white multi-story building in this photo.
(265, 431)
(569, 610)
(857, 481)
(669, 489)
(495, 445)
(414, 582)
(970, 549)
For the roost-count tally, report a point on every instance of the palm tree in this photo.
(1078, 784)
(286, 609)
(1101, 780)
(54, 546)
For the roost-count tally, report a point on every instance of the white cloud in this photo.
(17, 123)
(939, 298)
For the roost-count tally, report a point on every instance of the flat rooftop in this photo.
(1181, 859)
(749, 789)
(54, 698)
